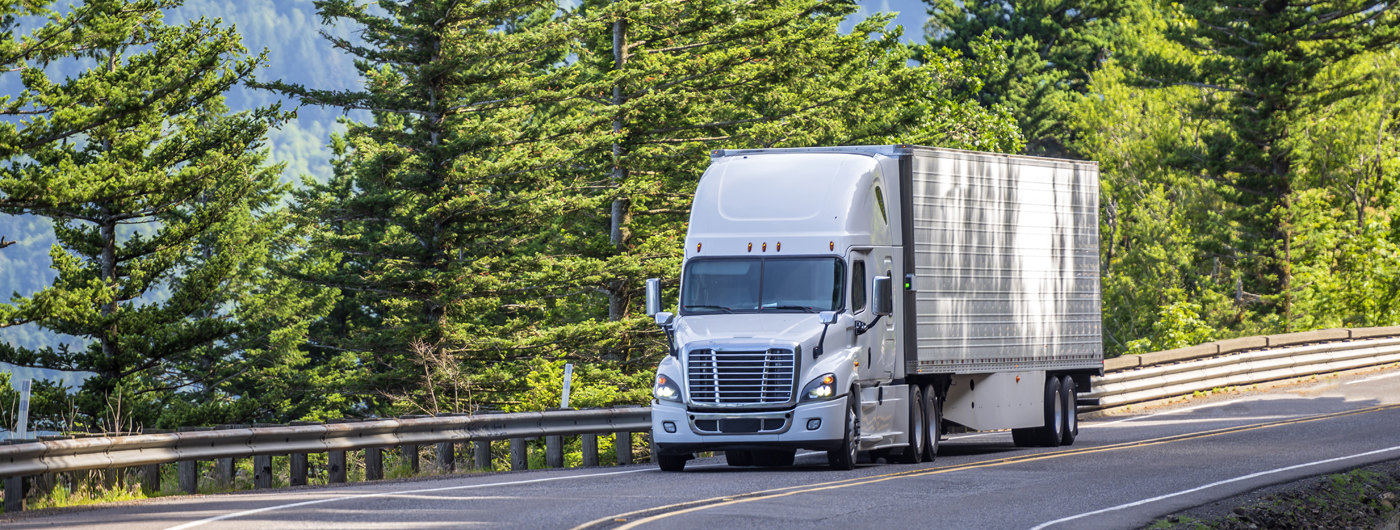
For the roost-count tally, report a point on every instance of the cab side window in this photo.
(858, 286)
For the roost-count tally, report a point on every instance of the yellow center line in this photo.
(727, 500)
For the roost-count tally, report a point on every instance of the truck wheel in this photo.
(672, 462)
(774, 458)
(1069, 393)
(844, 457)
(1049, 435)
(915, 452)
(933, 429)
(738, 458)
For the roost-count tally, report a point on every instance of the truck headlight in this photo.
(823, 387)
(666, 389)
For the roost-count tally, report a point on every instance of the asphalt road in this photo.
(1123, 472)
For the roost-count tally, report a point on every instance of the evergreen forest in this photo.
(430, 206)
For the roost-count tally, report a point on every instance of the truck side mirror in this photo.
(653, 297)
(663, 318)
(827, 318)
(883, 297)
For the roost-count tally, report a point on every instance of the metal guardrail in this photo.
(1182, 373)
(1129, 379)
(150, 450)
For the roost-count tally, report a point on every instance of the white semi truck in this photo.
(871, 298)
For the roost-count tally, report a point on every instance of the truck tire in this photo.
(1069, 393)
(672, 462)
(774, 457)
(933, 429)
(1049, 435)
(844, 457)
(738, 458)
(918, 419)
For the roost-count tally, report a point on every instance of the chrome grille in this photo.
(740, 377)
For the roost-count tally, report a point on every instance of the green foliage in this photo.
(164, 212)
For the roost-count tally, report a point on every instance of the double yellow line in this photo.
(637, 518)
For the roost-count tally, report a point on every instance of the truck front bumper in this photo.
(828, 418)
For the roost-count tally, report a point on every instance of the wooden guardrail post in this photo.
(554, 451)
(446, 457)
(262, 471)
(14, 494)
(374, 463)
(519, 455)
(188, 472)
(590, 449)
(298, 471)
(482, 454)
(224, 471)
(337, 467)
(150, 479)
(410, 457)
(624, 448)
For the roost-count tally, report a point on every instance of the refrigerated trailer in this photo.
(869, 299)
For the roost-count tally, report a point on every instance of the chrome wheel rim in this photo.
(918, 430)
(1059, 415)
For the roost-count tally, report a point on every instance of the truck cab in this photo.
(780, 334)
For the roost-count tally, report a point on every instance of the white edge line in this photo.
(1369, 379)
(1187, 409)
(1214, 484)
(232, 515)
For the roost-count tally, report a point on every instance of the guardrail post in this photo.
(188, 471)
(624, 448)
(482, 454)
(410, 457)
(14, 494)
(374, 463)
(150, 479)
(519, 455)
(554, 451)
(337, 470)
(446, 457)
(223, 471)
(590, 450)
(262, 471)
(298, 475)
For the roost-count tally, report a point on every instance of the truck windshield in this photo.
(753, 285)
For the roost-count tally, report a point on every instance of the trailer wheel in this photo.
(1050, 434)
(917, 420)
(844, 457)
(672, 462)
(738, 458)
(933, 429)
(1069, 393)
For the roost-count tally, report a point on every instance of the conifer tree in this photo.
(1263, 66)
(160, 200)
(1053, 48)
(431, 202)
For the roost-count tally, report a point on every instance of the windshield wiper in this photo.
(721, 308)
(802, 308)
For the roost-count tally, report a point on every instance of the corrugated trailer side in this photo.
(1006, 261)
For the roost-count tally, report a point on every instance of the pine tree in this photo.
(1053, 47)
(671, 81)
(431, 202)
(159, 197)
(1262, 66)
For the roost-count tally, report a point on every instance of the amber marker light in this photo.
(697, 247)
(750, 247)
(779, 247)
(765, 246)
(831, 245)
(828, 380)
